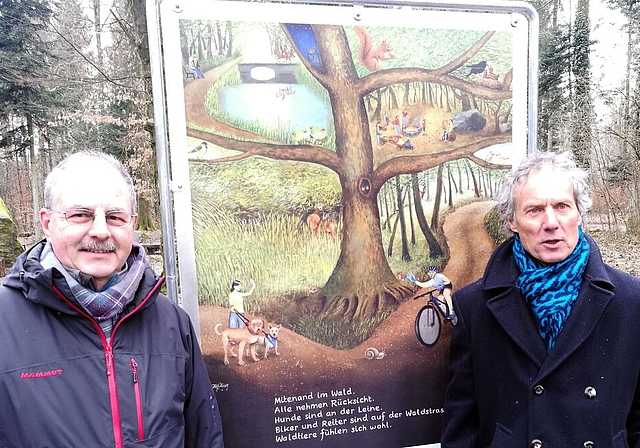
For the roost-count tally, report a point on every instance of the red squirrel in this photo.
(367, 55)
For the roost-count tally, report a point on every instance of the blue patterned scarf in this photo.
(551, 290)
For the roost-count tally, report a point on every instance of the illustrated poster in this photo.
(327, 150)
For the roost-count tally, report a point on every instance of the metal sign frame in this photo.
(515, 18)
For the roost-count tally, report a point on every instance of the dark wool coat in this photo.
(62, 384)
(506, 391)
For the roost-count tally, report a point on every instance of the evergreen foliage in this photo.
(555, 51)
(24, 56)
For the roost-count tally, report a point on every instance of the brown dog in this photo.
(248, 335)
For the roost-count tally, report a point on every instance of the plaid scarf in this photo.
(109, 303)
(551, 290)
(106, 305)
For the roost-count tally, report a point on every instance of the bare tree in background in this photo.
(85, 76)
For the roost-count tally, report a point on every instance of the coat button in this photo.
(535, 443)
(590, 392)
(589, 444)
(538, 389)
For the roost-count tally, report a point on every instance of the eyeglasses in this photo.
(83, 216)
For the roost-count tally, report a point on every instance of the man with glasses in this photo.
(91, 354)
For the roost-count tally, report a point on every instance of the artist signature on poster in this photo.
(220, 387)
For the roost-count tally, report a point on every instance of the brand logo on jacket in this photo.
(44, 374)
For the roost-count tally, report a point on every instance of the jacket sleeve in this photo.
(203, 425)
(460, 420)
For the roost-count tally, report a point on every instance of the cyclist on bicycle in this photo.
(441, 283)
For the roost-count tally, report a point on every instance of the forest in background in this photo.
(76, 75)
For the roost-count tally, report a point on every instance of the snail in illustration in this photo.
(373, 353)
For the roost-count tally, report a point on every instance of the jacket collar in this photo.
(502, 271)
(34, 281)
(514, 315)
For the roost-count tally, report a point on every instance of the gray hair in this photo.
(533, 163)
(80, 161)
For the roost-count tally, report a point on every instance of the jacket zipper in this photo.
(136, 390)
(113, 391)
(111, 374)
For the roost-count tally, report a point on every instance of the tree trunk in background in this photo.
(35, 177)
(436, 202)
(582, 104)
(143, 161)
(554, 52)
(450, 181)
(403, 225)
(631, 118)
(97, 32)
(435, 250)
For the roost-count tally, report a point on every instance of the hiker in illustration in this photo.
(379, 129)
(447, 135)
(236, 301)
(397, 125)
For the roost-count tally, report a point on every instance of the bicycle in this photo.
(428, 323)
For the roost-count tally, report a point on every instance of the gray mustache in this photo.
(97, 246)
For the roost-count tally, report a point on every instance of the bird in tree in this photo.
(474, 69)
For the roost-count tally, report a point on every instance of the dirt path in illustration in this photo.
(409, 376)
(195, 91)
(469, 243)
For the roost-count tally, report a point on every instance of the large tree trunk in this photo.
(582, 104)
(144, 151)
(145, 221)
(362, 284)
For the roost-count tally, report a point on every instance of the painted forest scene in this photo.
(303, 143)
(364, 118)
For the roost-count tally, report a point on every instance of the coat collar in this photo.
(514, 315)
(34, 281)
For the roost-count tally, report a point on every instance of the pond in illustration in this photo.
(273, 105)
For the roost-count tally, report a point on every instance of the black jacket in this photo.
(63, 385)
(507, 391)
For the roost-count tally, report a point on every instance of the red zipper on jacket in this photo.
(111, 374)
(136, 391)
(113, 390)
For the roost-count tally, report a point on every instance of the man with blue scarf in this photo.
(546, 352)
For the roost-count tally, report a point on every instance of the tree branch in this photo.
(276, 151)
(416, 163)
